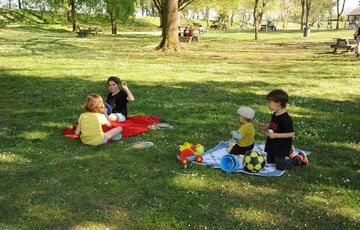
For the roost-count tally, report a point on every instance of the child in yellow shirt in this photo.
(90, 122)
(245, 136)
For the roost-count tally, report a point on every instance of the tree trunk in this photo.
(339, 12)
(232, 20)
(308, 7)
(9, 4)
(73, 19)
(256, 19)
(286, 16)
(162, 16)
(260, 20)
(302, 14)
(170, 39)
(70, 13)
(242, 20)
(113, 23)
(19, 4)
(159, 4)
(207, 15)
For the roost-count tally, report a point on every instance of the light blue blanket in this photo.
(213, 156)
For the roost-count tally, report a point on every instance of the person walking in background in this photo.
(357, 39)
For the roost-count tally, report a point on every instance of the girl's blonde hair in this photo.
(94, 103)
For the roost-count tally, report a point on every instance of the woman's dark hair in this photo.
(114, 79)
(278, 95)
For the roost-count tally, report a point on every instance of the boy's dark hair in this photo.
(278, 95)
(114, 79)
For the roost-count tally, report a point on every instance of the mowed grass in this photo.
(48, 181)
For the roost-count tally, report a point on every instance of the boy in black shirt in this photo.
(280, 133)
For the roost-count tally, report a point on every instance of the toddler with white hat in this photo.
(245, 135)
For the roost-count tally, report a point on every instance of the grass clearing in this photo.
(51, 182)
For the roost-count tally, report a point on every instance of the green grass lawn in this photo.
(48, 181)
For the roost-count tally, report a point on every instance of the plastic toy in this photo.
(229, 163)
(231, 144)
(160, 126)
(199, 149)
(187, 152)
(108, 108)
(141, 145)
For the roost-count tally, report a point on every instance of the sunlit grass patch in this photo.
(13, 158)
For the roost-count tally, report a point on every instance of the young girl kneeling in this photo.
(90, 122)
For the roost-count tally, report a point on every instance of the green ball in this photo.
(199, 149)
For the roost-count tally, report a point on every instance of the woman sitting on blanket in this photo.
(245, 136)
(90, 122)
(118, 98)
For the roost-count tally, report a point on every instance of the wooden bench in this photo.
(224, 26)
(85, 32)
(346, 44)
(348, 48)
(189, 39)
(215, 26)
(264, 27)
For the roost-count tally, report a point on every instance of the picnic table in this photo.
(85, 32)
(343, 43)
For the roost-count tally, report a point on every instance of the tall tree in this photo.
(161, 7)
(302, 14)
(259, 10)
(339, 11)
(204, 6)
(169, 18)
(286, 7)
(227, 10)
(262, 9)
(307, 11)
(71, 13)
(119, 10)
(19, 4)
(256, 18)
(170, 40)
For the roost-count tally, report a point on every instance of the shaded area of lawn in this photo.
(50, 181)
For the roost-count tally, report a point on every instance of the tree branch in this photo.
(184, 3)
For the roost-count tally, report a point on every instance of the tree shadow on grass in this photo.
(49, 181)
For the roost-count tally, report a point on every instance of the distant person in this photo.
(185, 33)
(271, 26)
(245, 135)
(90, 123)
(280, 132)
(357, 38)
(190, 32)
(318, 24)
(118, 98)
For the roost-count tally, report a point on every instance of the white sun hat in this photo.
(246, 112)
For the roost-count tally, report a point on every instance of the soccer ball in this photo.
(254, 161)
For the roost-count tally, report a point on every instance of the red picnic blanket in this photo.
(134, 125)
